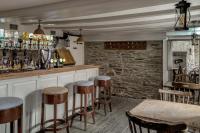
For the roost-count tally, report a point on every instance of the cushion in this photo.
(103, 78)
(55, 90)
(10, 102)
(85, 83)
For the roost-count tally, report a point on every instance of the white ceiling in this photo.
(98, 17)
(18, 4)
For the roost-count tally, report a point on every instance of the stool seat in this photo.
(103, 78)
(55, 90)
(85, 83)
(9, 102)
(11, 110)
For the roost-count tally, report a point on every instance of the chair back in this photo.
(182, 78)
(144, 125)
(175, 96)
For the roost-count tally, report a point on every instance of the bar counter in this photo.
(6, 76)
(29, 86)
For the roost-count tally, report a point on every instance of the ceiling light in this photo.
(182, 15)
(39, 30)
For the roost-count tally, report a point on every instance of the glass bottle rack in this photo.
(10, 39)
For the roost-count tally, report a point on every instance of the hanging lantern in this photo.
(182, 15)
(39, 31)
(80, 40)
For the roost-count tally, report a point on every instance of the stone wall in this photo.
(136, 73)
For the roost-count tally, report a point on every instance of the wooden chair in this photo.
(175, 96)
(182, 78)
(186, 87)
(140, 124)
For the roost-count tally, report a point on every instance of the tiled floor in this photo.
(114, 122)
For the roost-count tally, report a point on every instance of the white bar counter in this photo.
(29, 85)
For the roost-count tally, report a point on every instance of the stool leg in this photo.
(81, 109)
(73, 108)
(110, 105)
(19, 125)
(66, 113)
(95, 93)
(110, 95)
(42, 117)
(99, 104)
(85, 113)
(93, 108)
(105, 109)
(105, 101)
(12, 127)
(55, 116)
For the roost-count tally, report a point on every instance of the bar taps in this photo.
(20, 43)
(16, 64)
(5, 61)
(26, 61)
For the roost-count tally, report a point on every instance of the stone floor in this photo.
(114, 122)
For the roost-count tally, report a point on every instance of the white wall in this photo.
(76, 50)
(165, 62)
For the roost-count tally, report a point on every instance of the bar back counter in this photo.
(29, 85)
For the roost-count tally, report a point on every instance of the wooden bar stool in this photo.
(55, 96)
(104, 85)
(11, 109)
(86, 91)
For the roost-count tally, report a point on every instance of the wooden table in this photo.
(169, 112)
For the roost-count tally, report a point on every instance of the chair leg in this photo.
(19, 125)
(131, 127)
(12, 127)
(55, 116)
